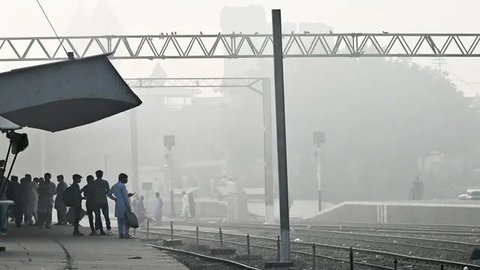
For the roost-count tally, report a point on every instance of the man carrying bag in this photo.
(131, 220)
(123, 210)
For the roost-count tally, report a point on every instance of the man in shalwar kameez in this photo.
(119, 194)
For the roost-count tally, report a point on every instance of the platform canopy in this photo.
(7, 125)
(64, 95)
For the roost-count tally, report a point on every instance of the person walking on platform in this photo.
(140, 210)
(102, 189)
(89, 192)
(76, 199)
(46, 191)
(119, 194)
(191, 204)
(416, 191)
(14, 193)
(59, 203)
(23, 191)
(185, 205)
(158, 209)
(31, 199)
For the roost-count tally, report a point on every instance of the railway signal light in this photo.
(169, 141)
(319, 138)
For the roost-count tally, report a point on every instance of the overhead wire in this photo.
(51, 25)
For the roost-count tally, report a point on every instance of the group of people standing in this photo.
(33, 198)
(34, 201)
(141, 212)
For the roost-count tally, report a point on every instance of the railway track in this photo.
(378, 259)
(442, 249)
(399, 234)
(236, 264)
(273, 250)
(392, 239)
(409, 230)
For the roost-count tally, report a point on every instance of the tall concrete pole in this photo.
(319, 157)
(170, 183)
(268, 149)
(134, 149)
(281, 136)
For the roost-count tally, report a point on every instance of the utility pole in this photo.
(169, 143)
(318, 141)
(319, 177)
(168, 158)
(281, 137)
(134, 149)
(268, 151)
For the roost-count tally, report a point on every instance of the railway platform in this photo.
(33, 248)
(452, 212)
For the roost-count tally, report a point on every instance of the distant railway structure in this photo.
(244, 46)
(235, 45)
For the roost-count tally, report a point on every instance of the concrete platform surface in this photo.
(32, 248)
(402, 212)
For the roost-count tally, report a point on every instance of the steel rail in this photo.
(205, 257)
(398, 237)
(392, 243)
(367, 251)
(265, 227)
(274, 248)
(401, 237)
(310, 233)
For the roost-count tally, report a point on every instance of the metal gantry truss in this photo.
(163, 46)
(254, 84)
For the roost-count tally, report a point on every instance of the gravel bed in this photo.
(305, 262)
(459, 253)
(195, 263)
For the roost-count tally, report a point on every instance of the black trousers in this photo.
(48, 216)
(62, 215)
(91, 210)
(18, 213)
(104, 208)
(76, 218)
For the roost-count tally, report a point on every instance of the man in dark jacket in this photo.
(89, 192)
(76, 203)
(59, 203)
(102, 188)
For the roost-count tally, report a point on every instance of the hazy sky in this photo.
(24, 18)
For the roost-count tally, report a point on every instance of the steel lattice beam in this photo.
(192, 82)
(241, 46)
(254, 84)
